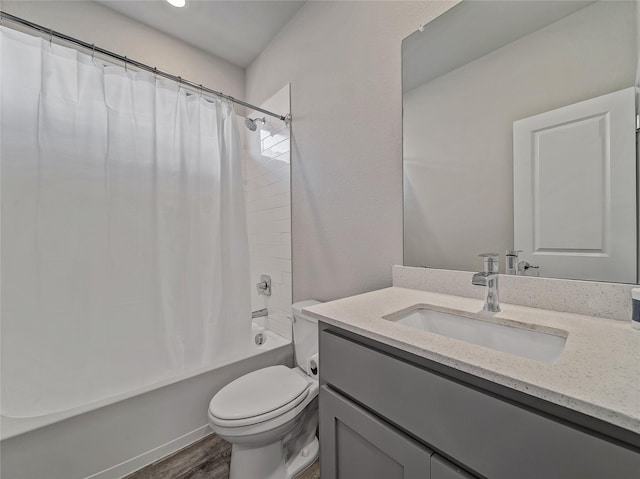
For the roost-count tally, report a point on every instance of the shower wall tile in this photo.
(267, 193)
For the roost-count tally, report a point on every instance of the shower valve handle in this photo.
(264, 286)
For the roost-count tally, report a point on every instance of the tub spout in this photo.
(259, 313)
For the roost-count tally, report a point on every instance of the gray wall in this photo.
(343, 62)
(458, 129)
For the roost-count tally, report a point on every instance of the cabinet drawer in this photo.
(493, 437)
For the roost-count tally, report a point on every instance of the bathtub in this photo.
(116, 436)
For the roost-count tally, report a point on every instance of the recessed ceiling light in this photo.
(177, 3)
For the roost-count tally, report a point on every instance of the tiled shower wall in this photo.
(267, 191)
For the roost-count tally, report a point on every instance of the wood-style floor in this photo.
(312, 472)
(208, 458)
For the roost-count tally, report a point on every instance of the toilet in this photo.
(270, 416)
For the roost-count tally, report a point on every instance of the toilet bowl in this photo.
(270, 415)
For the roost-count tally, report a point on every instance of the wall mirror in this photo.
(519, 134)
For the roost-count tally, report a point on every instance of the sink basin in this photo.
(541, 346)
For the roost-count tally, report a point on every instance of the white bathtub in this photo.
(111, 438)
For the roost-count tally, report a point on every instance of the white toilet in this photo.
(270, 415)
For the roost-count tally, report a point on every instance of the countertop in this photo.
(598, 373)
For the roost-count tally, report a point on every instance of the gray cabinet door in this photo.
(358, 445)
(492, 437)
(443, 469)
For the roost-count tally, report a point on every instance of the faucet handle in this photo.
(511, 257)
(525, 266)
(491, 262)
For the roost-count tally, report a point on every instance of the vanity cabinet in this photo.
(442, 469)
(360, 445)
(386, 409)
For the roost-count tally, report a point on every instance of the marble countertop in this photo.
(598, 373)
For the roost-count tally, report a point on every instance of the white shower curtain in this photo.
(124, 245)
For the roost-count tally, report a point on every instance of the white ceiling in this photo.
(234, 30)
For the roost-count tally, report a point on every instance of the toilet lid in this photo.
(258, 393)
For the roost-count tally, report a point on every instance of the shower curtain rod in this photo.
(141, 66)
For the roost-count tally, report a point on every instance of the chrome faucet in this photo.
(489, 279)
(511, 257)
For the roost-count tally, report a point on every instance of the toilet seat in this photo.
(258, 396)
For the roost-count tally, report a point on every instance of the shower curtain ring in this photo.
(50, 36)
(126, 69)
(200, 90)
(93, 52)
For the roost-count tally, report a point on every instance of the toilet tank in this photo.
(305, 332)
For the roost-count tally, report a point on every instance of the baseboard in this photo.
(127, 467)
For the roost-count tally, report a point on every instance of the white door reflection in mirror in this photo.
(575, 189)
